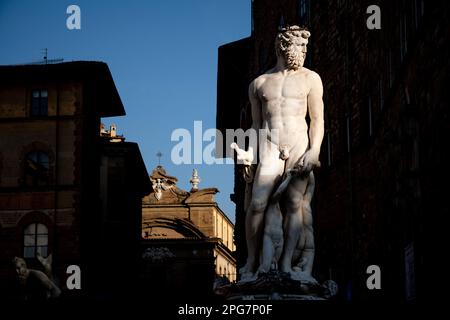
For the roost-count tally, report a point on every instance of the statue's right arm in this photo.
(255, 106)
(247, 157)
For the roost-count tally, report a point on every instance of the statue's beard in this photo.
(294, 58)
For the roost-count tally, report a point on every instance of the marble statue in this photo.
(36, 284)
(279, 231)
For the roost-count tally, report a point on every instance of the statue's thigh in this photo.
(267, 175)
(295, 192)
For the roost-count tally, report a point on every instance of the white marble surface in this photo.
(281, 99)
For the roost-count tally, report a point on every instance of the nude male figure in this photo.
(37, 277)
(280, 100)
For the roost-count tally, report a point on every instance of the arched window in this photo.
(35, 240)
(36, 169)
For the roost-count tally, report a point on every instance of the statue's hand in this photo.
(249, 173)
(245, 156)
(309, 161)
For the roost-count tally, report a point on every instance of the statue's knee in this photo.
(294, 204)
(258, 206)
(309, 243)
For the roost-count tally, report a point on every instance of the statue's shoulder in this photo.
(258, 81)
(260, 78)
(311, 74)
(270, 72)
(38, 274)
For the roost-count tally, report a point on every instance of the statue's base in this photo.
(276, 285)
(273, 296)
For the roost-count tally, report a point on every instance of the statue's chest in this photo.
(279, 87)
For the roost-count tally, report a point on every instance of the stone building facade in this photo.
(187, 239)
(386, 112)
(54, 167)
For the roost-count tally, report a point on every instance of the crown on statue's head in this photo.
(290, 28)
(304, 31)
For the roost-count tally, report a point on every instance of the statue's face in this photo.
(295, 53)
(21, 269)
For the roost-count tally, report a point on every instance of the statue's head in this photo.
(21, 268)
(290, 44)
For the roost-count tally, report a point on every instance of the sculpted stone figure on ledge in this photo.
(37, 285)
(279, 230)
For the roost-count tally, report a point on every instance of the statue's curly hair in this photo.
(286, 36)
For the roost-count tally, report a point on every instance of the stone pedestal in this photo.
(276, 285)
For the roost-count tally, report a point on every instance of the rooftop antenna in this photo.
(159, 155)
(45, 59)
(45, 52)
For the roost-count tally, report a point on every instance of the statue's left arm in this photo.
(316, 125)
(48, 284)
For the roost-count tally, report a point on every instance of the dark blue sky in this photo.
(161, 53)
